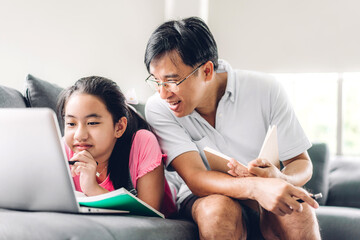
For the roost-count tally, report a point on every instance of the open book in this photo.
(218, 161)
(119, 199)
(269, 151)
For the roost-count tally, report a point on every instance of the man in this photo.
(201, 102)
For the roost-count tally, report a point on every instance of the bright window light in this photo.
(351, 114)
(314, 98)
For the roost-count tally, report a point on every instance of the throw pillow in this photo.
(40, 93)
(11, 98)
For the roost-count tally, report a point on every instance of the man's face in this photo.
(189, 94)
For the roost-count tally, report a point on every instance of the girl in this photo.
(112, 146)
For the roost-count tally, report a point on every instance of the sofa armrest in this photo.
(319, 154)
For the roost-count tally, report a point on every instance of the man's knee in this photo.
(306, 219)
(298, 225)
(216, 206)
(218, 216)
(307, 226)
(311, 222)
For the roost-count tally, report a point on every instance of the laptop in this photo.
(34, 170)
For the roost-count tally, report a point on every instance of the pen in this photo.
(73, 162)
(315, 197)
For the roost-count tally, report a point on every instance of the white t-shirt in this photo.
(252, 101)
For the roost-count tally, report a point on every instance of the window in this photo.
(351, 114)
(328, 108)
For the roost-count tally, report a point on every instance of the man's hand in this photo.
(279, 196)
(258, 167)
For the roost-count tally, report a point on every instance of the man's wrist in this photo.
(283, 176)
(250, 185)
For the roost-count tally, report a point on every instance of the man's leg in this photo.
(297, 225)
(219, 217)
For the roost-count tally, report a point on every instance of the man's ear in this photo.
(120, 127)
(208, 70)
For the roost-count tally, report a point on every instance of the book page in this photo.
(79, 194)
(218, 161)
(269, 149)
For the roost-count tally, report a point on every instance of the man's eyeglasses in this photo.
(171, 86)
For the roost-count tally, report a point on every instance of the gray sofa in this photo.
(339, 214)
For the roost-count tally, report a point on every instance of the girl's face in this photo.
(89, 126)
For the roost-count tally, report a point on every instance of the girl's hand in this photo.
(237, 169)
(85, 167)
(263, 168)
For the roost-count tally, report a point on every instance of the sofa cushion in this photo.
(140, 108)
(319, 183)
(338, 222)
(11, 98)
(344, 186)
(40, 93)
(52, 225)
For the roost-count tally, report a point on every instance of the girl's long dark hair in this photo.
(114, 100)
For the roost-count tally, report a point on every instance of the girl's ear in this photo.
(120, 127)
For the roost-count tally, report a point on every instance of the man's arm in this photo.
(202, 182)
(274, 194)
(297, 170)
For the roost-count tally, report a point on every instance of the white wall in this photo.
(288, 35)
(176, 9)
(61, 41)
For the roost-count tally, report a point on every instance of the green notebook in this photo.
(120, 199)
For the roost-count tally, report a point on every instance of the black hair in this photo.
(110, 94)
(190, 37)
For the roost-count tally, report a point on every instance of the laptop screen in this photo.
(34, 173)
